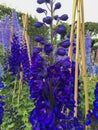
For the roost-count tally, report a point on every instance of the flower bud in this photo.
(64, 17)
(61, 51)
(38, 24)
(57, 6)
(40, 1)
(48, 48)
(47, 20)
(40, 10)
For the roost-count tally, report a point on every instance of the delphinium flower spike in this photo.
(51, 82)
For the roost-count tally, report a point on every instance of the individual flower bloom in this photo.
(56, 17)
(47, 20)
(40, 1)
(60, 29)
(57, 6)
(48, 48)
(65, 43)
(38, 24)
(64, 17)
(95, 103)
(38, 38)
(37, 49)
(40, 10)
(1, 84)
(61, 126)
(95, 113)
(60, 95)
(1, 111)
(68, 36)
(61, 51)
(36, 85)
(96, 85)
(87, 122)
(43, 42)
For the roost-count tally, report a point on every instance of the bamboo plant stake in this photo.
(25, 34)
(77, 59)
(80, 33)
(72, 28)
(83, 60)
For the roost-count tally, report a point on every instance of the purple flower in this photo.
(1, 110)
(14, 57)
(95, 103)
(38, 38)
(61, 51)
(37, 49)
(25, 61)
(40, 1)
(47, 20)
(60, 29)
(40, 10)
(38, 24)
(57, 6)
(48, 48)
(65, 43)
(64, 17)
(1, 84)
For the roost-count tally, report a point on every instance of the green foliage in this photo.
(91, 82)
(21, 109)
(92, 28)
(94, 40)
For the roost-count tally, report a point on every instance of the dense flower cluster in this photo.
(51, 81)
(88, 50)
(5, 33)
(1, 102)
(14, 57)
(25, 61)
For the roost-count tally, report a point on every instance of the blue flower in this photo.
(47, 20)
(60, 29)
(61, 51)
(25, 61)
(65, 43)
(95, 103)
(48, 48)
(14, 57)
(40, 1)
(38, 24)
(38, 38)
(1, 84)
(37, 49)
(64, 17)
(57, 6)
(40, 10)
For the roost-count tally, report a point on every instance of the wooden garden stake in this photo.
(77, 59)
(83, 60)
(78, 10)
(72, 29)
(25, 34)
